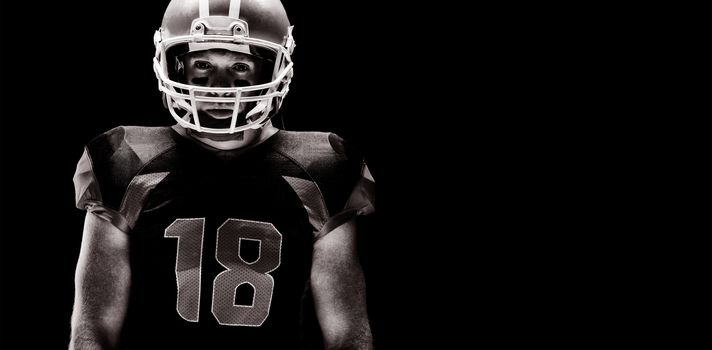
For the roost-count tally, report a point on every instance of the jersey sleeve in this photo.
(106, 181)
(351, 193)
(88, 194)
(95, 179)
(86, 188)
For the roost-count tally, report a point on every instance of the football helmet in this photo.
(258, 27)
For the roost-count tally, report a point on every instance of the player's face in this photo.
(221, 68)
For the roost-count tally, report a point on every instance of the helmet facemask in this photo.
(252, 104)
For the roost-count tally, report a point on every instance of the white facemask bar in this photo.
(174, 98)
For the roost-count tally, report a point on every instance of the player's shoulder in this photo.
(117, 155)
(140, 139)
(327, 160)
(316, 148)
(112, 159)
(124, 145)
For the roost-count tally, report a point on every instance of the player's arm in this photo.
(101, 286)
(339, 290)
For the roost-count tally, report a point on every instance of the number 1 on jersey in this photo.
(238, 271)
(188, 265)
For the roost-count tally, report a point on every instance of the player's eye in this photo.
(240, 67)
(204, 65)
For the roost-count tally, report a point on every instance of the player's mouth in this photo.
(219, 113)
(219, 118)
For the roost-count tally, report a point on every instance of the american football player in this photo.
(222, 231)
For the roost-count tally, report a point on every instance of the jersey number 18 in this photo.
(230, 235)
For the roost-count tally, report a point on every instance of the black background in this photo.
(543, 170)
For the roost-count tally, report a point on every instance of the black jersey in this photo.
(220, 241)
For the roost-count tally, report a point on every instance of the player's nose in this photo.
(222, 82)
